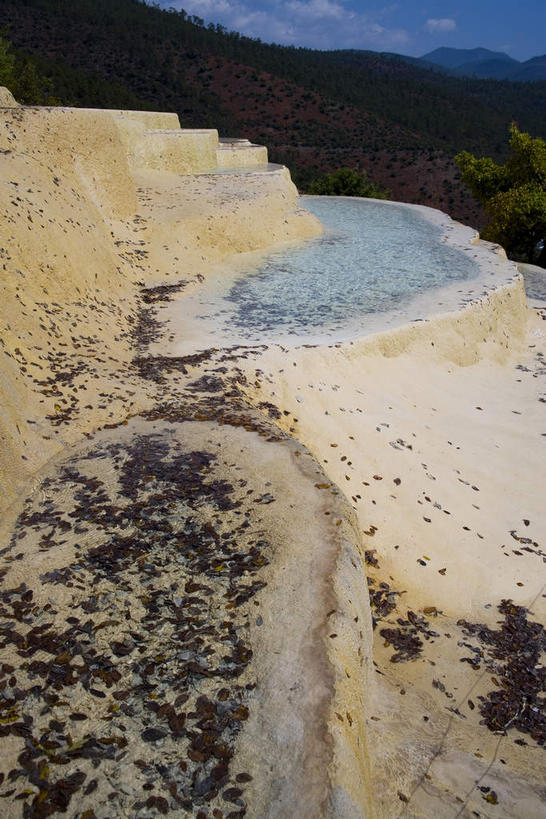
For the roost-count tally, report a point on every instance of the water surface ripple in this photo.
(371, 257)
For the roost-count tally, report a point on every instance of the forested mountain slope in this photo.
(316, 111)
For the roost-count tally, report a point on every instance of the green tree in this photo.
(346, 182)
(30, 87)
(513, 195)
(22, 77)
(7, 63)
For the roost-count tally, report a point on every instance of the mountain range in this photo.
(483, 63)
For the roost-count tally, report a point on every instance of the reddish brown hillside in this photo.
(314, 135)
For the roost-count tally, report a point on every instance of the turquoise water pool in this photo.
(377, 266)
(371, 257)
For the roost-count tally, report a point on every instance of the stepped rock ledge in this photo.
(255, 580)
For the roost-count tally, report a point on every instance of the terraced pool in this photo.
(371, 257)
(377, 264)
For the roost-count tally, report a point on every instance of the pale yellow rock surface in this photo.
(173, 150)
(443, 406)
(426, 445)
(7, 99)
(240, 153)
(79, 230)
(435, 433)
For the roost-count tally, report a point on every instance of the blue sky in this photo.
(413, 27)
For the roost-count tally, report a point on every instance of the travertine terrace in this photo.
(96, 204)
(249, 581)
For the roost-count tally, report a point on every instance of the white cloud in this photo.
(314, 10)
(434, 24)
(311, 23)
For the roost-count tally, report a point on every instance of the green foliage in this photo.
(30, 88)
(527, 164)
(37, 80)
(20, 76)
(513, 194)
(7, 63)
(483, 176)
(518, 220)
(346, 182)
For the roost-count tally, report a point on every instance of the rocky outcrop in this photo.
(7, 99)
(93, 204)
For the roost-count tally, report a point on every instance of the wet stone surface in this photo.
(126, 673)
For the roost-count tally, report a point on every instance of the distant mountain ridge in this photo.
(486, 64)
(457, 57)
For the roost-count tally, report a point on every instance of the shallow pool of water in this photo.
(371, 257)
(376, 266)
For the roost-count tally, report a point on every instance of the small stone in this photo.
(153, 734)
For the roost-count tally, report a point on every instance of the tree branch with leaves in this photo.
(513, 195)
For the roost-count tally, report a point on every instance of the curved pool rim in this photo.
(494, 271)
